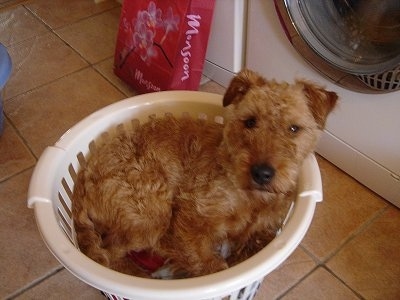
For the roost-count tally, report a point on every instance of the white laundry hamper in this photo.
(52, 184)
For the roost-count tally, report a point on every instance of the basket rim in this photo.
(213, 285)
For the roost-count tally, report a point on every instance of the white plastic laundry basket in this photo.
(53, 180)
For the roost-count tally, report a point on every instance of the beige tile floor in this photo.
(62, 52)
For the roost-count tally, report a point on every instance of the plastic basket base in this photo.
(245, 293)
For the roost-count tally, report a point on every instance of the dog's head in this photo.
(271, 127)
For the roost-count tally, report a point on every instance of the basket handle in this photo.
(41, 186)
(310, 184)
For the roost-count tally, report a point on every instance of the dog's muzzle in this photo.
(262, 174)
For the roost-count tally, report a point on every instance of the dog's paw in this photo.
(170, 271)
(164, 272)
(224, 249)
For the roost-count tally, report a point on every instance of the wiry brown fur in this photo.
(182, 187)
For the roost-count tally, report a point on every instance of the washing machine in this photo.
(353, 48)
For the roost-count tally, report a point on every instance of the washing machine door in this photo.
(357, 37)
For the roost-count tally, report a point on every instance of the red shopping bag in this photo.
(161, 44)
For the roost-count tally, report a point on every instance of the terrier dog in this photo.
(175, 191)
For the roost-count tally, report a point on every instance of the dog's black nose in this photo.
(262, 173)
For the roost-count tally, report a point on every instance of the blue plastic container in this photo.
(5, 71)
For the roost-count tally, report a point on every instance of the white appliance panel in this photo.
(225, 50)
(364, 131)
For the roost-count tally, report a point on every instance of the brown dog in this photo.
(182, 189)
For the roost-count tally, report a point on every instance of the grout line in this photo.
(24, 4)
(301, 279)
(24, 141)
(322, 263)
(53, 30)
(9, 120)
(318, 263)
(34, 283)
(343, 282)
(107, 79)
(55, 33)
(362, 228)
(10, 4)
(17, 173)
(323, 266)
(316, 260)
(46, 83)
(88, 64)
(72, 48)
(88, 17)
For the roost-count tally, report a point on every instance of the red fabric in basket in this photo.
(161, 44)
(146, 260)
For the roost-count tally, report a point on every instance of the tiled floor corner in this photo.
(38, 61)
(24, 257)
(93, 38)
(297, 266)
(61, 286)
(51, 109)
(370, 262)
(320, 284)
(333, 225)
(62, 54)
(59, 13)
(15, 155)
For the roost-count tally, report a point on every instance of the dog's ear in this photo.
(320, 101)
(240, 85)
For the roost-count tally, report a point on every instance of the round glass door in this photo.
(357, 36)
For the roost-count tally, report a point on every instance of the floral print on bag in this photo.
(143, 31)
(161, 44)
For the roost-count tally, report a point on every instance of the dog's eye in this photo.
(250, 122)
(294, 128)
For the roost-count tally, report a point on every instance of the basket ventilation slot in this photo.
(246, 293)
